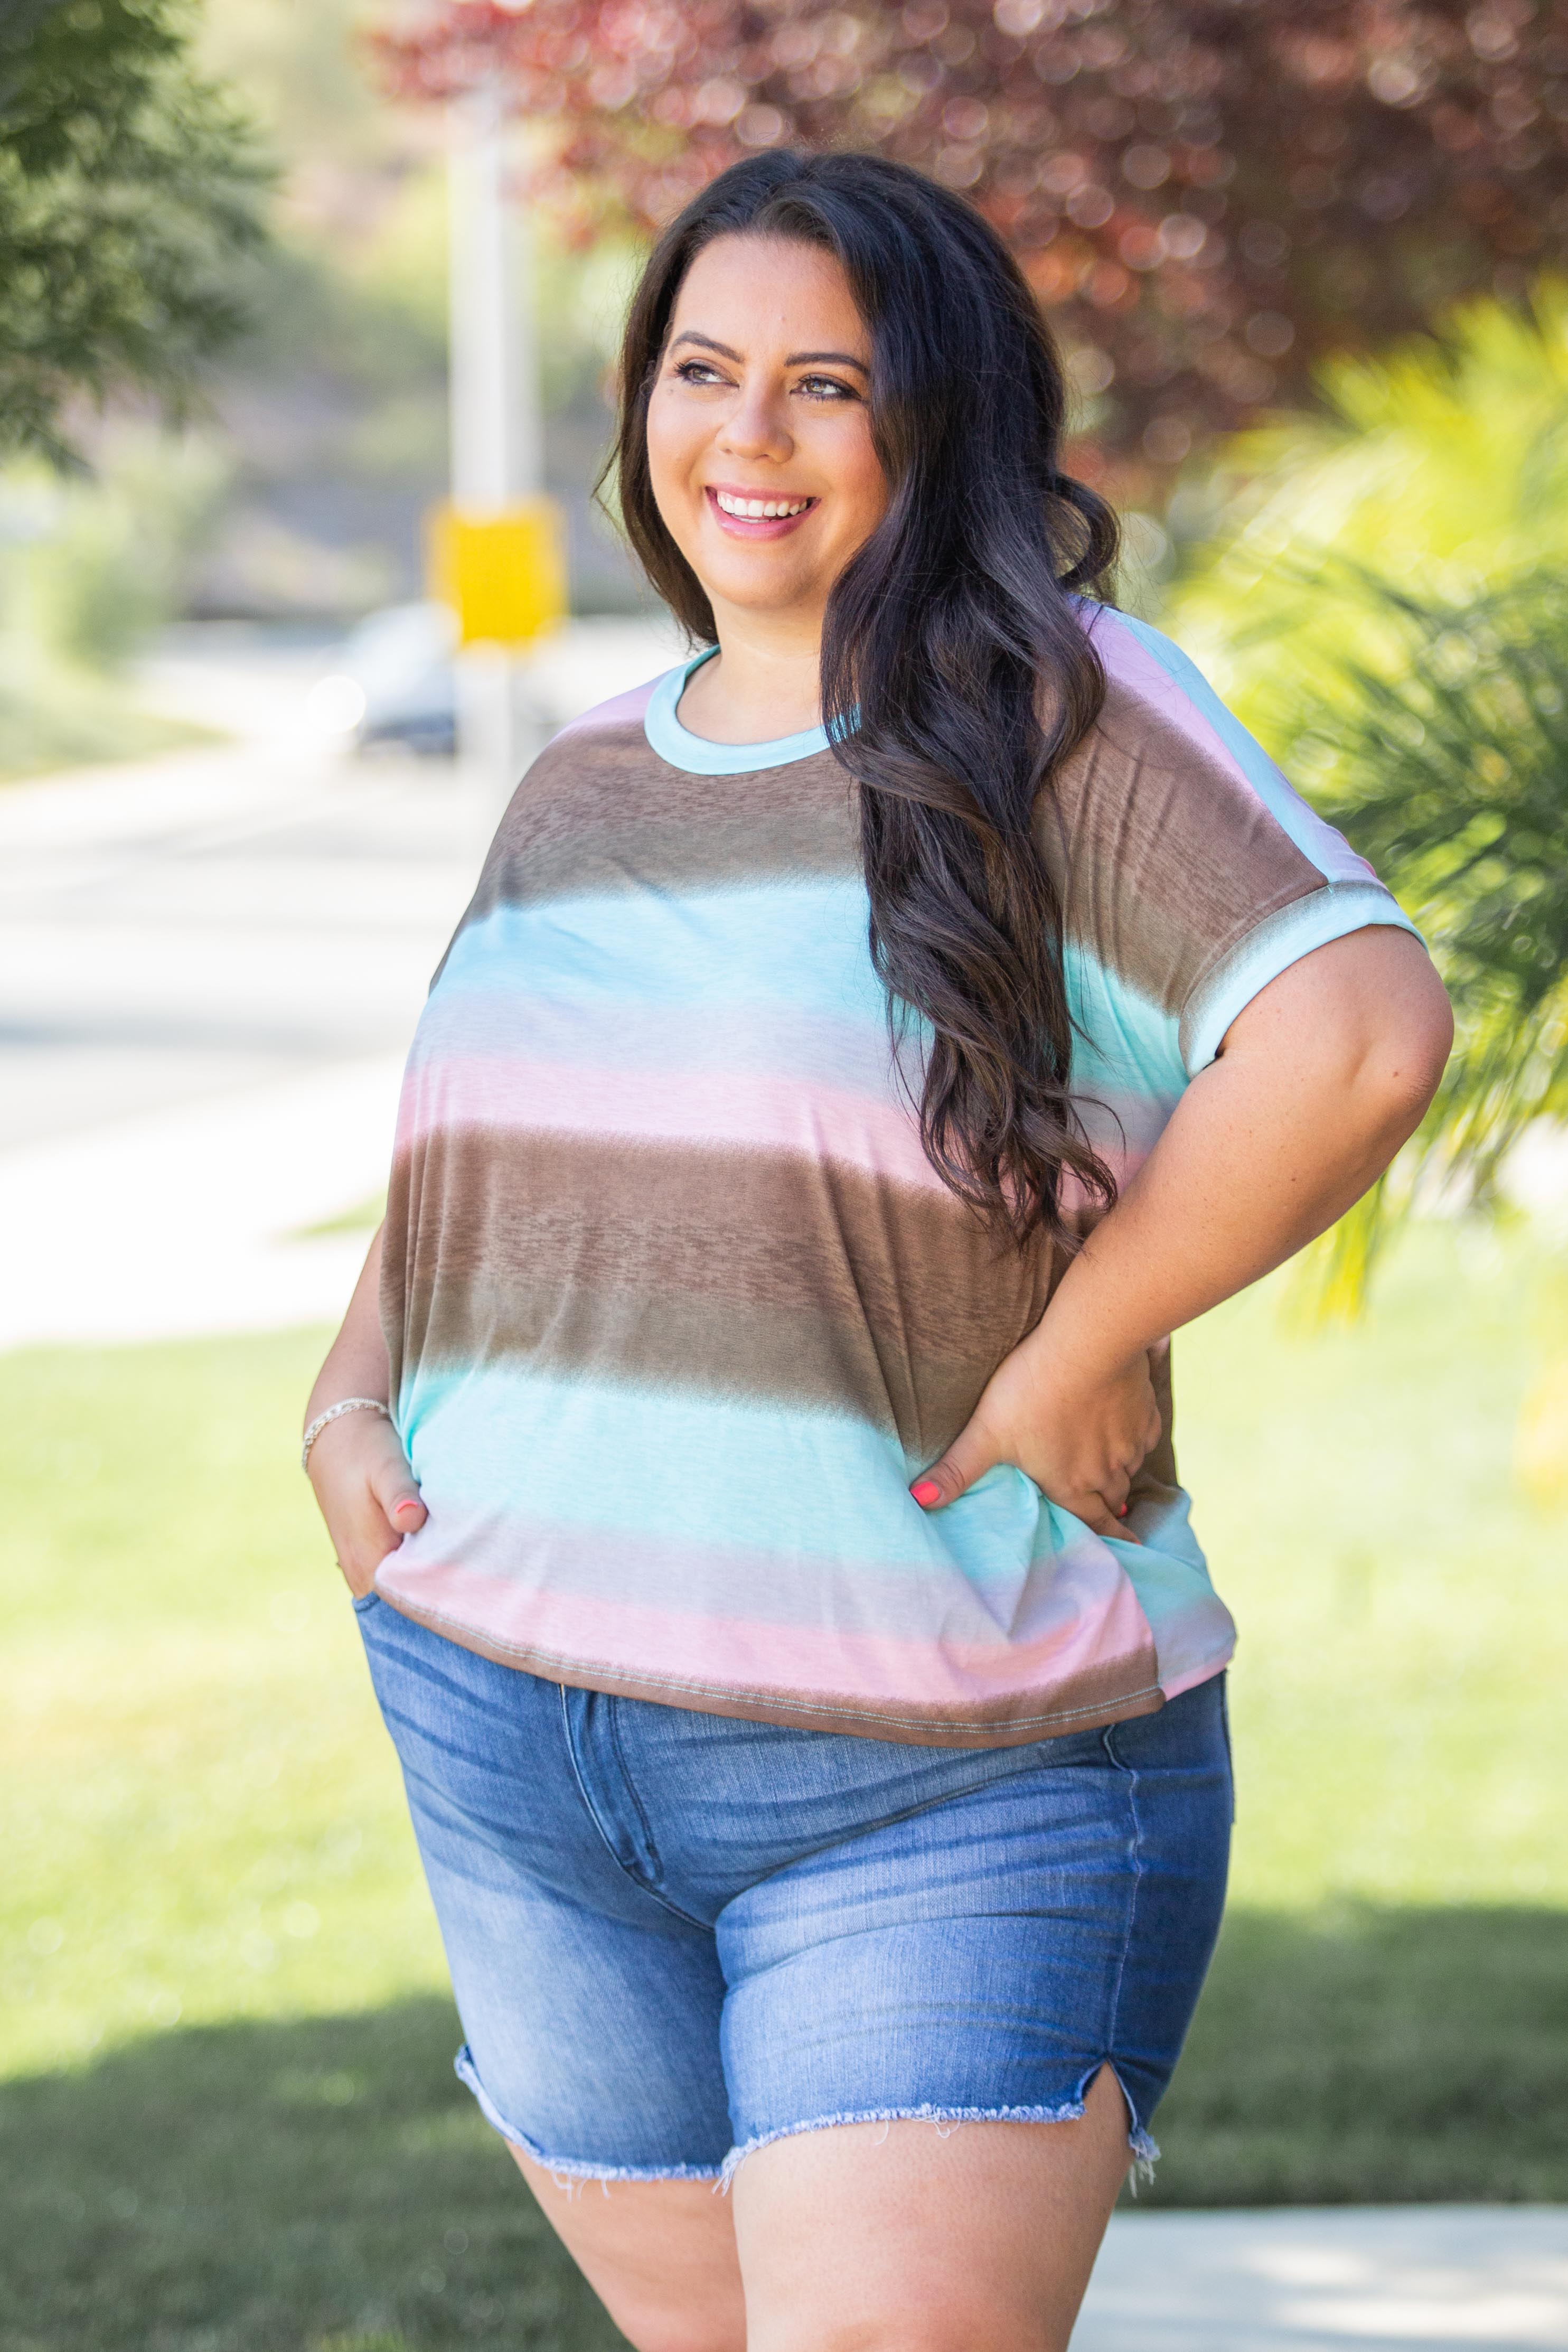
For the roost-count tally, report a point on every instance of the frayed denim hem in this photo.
(565, 2170)
(1145, 2152)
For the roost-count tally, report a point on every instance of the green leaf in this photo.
(128, 185)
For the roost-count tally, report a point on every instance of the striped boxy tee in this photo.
(676, 1306)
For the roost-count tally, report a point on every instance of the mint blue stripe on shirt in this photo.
(1124, 1042)
(796, 943)
(711, 1470)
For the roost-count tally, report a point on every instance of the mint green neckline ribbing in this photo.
(695, 754)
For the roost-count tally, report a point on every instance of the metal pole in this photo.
(495, 421)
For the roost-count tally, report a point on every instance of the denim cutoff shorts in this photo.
(675, 1936)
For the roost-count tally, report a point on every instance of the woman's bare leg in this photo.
(889, 2238)
(659, 2254)
(864, 2237)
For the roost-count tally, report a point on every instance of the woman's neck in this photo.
(763, 683)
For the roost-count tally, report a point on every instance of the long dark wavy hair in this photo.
(955, 673)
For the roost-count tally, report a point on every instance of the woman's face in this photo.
(758, 428)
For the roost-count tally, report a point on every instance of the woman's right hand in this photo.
(366, 1493)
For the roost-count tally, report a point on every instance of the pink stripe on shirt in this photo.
(703, 1107)
(1100, 1619)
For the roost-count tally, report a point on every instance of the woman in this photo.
(808, 1686)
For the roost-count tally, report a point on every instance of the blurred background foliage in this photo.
(1380, 590)
(333, 408)
(309, 372)
(130, 188)
(90, 567)
(1439, 465)
(1211, 199)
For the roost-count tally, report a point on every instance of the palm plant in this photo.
(1448, 768)
(1439, 469)
(1383, 595)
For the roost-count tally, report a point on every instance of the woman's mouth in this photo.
(756, 514)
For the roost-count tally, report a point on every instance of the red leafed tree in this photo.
(1207, 194)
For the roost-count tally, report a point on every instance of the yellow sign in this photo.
(504, 575)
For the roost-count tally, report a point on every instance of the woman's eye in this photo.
(826, 387)
(698, 372)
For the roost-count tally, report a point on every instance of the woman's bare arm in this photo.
(1319, 1081)
(364, 1488)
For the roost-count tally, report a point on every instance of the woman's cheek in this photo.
(669, 467)
(867, 498)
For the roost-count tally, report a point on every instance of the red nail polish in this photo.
(925, 1492)
(1123, 1512)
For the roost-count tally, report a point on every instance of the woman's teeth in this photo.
(759, 509)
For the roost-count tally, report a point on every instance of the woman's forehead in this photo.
(766, 291)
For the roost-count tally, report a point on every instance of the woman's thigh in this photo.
(873, 2236)
(863, 2236)
(659, 2254)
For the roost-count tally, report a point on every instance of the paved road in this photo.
(210, 966)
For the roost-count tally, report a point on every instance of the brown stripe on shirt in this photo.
(728, 1271)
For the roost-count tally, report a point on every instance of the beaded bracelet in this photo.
(344, 1404)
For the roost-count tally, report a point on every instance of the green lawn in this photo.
(56, 716)
(227, 2122)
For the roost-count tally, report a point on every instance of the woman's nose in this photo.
(758, 427)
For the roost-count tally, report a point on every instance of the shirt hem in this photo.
(1190, 1678)
(790, 1713)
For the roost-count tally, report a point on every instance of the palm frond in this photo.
(1450, 774)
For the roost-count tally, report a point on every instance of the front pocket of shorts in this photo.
(364, 1600)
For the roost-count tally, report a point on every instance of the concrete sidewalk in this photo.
(196, 1218)
(210, 968)
(1425, 2278)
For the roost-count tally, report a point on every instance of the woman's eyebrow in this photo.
(838, 359)
(796, 359)
(690, 335)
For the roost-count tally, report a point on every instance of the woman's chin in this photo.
(762, 587)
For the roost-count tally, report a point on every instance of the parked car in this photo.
(391, 682)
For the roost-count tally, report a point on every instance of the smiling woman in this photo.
(753, 444)
(866, 1045)
(897, 372)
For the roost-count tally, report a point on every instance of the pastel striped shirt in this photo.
(676, 1306)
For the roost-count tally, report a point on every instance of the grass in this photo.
(53, 716)
(275, 2183)
(227, 2121)
(1398, 1696)
(364, 1216)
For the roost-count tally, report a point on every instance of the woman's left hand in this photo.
(1080, 1437)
